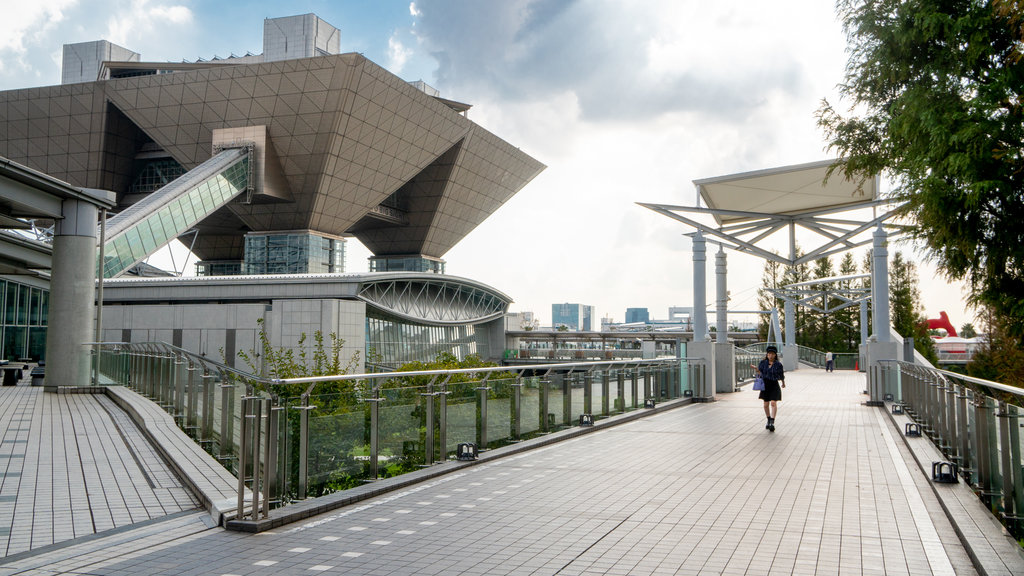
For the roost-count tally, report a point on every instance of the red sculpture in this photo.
(942, 322)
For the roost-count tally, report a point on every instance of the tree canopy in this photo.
(935, 92)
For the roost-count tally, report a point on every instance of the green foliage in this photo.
(905, 306)
(321, 360)
(1001, 359)
(968, 331)
(771, 279)
(938, 86)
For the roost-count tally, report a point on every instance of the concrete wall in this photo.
(221, 331)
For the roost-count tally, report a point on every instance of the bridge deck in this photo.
(703, 489)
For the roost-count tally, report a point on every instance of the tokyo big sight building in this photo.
(263, 165)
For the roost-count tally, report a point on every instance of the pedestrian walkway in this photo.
(702, 489)
(72, 465)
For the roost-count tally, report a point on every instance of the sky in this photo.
(624, 102)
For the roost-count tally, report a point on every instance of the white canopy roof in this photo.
(787, 190)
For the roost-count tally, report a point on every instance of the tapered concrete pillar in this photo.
(725, 365)
(881, 347)
(721, 297)
(700, 347)
(700, 312)
(72, 293)
(864, 322)
(880, 285)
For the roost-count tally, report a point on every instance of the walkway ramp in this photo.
(151, 223)
(702, 489)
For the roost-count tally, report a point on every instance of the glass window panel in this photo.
(23, 298)
(33, 310)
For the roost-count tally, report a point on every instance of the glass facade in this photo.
(155, 175)
(293, 253)
(24, 314)
(393, 342)
(573, 316)
(174, 218)
(406, 264)
(219, 268)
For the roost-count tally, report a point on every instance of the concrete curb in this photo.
(965, 511)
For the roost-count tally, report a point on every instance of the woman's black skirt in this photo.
(772, 391)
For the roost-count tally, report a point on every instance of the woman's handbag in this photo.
(758, 383)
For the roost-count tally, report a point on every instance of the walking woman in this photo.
(774, 378)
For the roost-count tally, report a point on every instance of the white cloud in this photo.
(142, 18)
(22, 27)
(413, 11)
(398, 55)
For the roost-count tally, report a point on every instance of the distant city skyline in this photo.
(642, 100)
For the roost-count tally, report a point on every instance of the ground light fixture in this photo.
(467, 451)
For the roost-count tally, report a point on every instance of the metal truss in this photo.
(839, 234)
(824, 290)
(434, 302)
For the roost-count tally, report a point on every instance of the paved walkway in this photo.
(702, 489)
(72, 465)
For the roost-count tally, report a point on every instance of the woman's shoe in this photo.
(771, 425)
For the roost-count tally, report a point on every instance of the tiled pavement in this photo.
(702, 489)
(72, 465)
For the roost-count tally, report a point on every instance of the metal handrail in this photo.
(973, 422)
(958, 376)
(254, 437)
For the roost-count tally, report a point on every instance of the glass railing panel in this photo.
(529, 407)
(401, 430)
(462, 421)
(576, 397)
(597, 394)
(556, 404)
(499, 412)
(338, 456)
(972, 427)
(629, 399)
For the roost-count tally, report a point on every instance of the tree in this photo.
(968, 331)
(1000, 358)
(904, 296)
(849, 317)
(905, 304)
(941, 87)
(771, 279)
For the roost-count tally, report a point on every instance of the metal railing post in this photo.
(517, 407)
(304, 409)
(588, 393)
(257, 417)
(242, 459)
(179, 389)
(605, 391)
(374, 431)
(269, 460)
(482, 416)
(620, 380)
(542, 404)
(442, 421)
(566, 399)
(635, 375)
(428, 444)
(227, 417)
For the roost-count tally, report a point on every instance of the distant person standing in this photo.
(829, 363)
(774, 378)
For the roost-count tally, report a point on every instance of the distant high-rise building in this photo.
(572, 316)
(637, 315)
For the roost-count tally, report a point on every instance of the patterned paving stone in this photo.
(76, 465)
